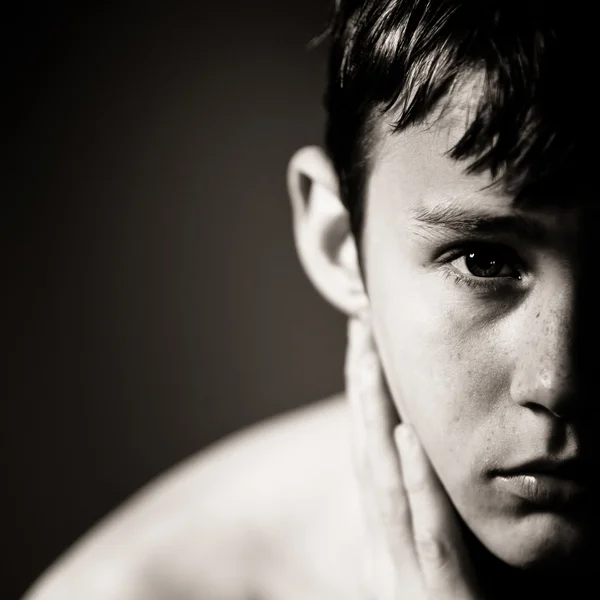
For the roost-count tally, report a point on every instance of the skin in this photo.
(415, 548)
(485, 376)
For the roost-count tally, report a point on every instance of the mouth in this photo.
(546, 483)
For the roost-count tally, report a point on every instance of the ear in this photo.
(324, 242)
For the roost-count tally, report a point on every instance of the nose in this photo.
(544, 376)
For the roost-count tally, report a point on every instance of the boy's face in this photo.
(474, 321)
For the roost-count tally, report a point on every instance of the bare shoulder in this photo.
(267, 510)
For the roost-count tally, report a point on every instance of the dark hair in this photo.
(405, 56)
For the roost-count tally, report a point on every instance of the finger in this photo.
(372, 525)
(373, 422)
(437, 536)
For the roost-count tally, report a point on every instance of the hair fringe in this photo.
(406, 56)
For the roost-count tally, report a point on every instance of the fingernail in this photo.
(363, 313)
(367, 369)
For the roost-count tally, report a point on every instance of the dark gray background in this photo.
(152, 301)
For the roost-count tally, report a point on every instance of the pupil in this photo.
(483, 264)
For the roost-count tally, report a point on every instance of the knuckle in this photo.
(395, 513)
(433, 549)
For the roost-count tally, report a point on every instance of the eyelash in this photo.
(486, 284)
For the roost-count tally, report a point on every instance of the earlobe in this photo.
(324, 242)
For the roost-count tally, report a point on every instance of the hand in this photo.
(416, 547)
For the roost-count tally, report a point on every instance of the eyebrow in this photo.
(465, 222)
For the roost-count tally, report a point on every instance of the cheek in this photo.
(445, 370)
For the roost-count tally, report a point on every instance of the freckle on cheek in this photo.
(456, 355)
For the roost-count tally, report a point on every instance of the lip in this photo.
(547, 482)
(543, 489)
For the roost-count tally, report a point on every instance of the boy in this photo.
(450, 219)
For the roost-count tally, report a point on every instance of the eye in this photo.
(487, 261)
(485, 267)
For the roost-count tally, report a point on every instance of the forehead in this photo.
(413, 175)
(416, 161)
(420, 153)
(540, 162)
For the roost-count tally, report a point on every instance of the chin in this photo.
(539, 541)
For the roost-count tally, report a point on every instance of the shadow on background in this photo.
(152, 298)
